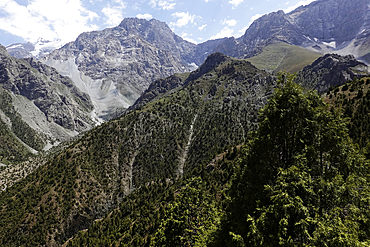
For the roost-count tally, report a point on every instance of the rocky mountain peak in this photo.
(211, 62)
(334, 60)
(331, 70)
(331, 20)
(114, 66)
(161, 36)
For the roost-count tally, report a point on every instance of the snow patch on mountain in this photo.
(43, 47)
(332, 44)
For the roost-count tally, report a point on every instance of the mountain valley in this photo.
(133, 136)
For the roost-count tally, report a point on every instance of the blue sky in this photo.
(194, 20)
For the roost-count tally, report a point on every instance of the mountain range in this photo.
(114, 66)
(157, 119)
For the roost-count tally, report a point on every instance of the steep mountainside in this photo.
(115, 66)
(323, 26)
(354, 98)
(39, 105)
(166, 138)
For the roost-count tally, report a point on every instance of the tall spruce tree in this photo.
(302, 182)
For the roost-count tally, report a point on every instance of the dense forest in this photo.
(200, 167)
(298, 181)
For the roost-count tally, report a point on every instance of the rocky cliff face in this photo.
(338, 21)
(160, 36)
(46, 101)
(323, 26)
(115, 66)
(331, 70)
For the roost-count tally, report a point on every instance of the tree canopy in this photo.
(302, 182)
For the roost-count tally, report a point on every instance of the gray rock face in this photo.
(47, 101)
(332, 20)
(161, 36)
(115, 66)
(323, 26)
(331, 70)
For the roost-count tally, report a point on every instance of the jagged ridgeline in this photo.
(210, 109)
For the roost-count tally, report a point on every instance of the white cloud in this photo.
(300, 3)
(144, 16)
(255, 17)
(136, 6)
(114, 14)
(230, 23)
(183, 19)
(243, 30)
(225, 32)
(186, 37)
(202, 27)
(46, 19)
(235, 3)
(162, 4)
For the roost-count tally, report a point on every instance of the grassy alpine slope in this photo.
(283, 56)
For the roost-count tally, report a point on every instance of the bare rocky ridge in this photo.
(161, 36)
(323, 26)
(331, 70)
(113, 66)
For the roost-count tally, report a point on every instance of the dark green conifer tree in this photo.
(302, 182)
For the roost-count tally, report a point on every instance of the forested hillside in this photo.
(161, 141)
(188, 165)
(298, 181)
(354, 100)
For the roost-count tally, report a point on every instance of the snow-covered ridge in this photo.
(37, 50)
(43, 47)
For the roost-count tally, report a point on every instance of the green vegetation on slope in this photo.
(354, 98)
(12, 149)
(299, 181)
(165, 139)
(303, 182)
(282, 56)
